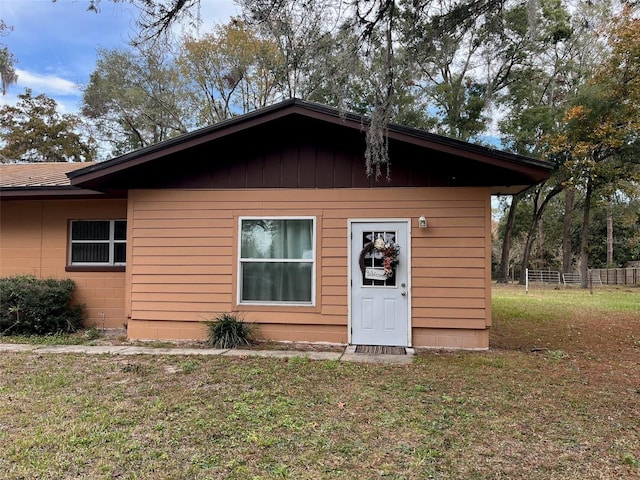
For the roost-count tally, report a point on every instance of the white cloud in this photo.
(66, 93)
(55, 44)
(51, 84)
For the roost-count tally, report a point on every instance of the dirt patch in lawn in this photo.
(594, 339)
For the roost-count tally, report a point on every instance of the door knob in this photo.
(403, 293)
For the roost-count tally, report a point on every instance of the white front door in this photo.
(379, 299)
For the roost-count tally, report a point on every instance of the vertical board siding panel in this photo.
(238, 174)
(448, 255)
(359, 177)
(399, 176)
(307, 173)
(221, 178)
(325, 169)
(342, 170)
(289, 167)
(272, 170)
(254, 171)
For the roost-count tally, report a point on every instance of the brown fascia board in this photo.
(44, 193)
(536, 170)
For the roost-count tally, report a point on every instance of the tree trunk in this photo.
(584, 244)
(525, 255)
(609, 238)
(566, 230)
(543, 260)
(537, 215)
(531, 234)
(503, 271)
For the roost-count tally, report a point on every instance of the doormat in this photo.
(380, 349)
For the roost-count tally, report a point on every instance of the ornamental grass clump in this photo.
(229, 331)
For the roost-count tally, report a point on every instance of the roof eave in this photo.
(48, 192)
(510, 189)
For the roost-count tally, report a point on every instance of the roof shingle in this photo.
(16, 175)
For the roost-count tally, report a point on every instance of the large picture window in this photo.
(98, 242)
(277, 260)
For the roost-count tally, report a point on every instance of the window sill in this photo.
(266, 307)
(95, 268)
(274, 304)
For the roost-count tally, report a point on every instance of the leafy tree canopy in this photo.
(34, 131)
(602, 126)
(136, 98)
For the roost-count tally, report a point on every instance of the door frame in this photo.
(350, 257)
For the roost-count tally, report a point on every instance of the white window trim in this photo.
(312, 260)
(111, 241)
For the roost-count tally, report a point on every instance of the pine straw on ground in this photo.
(557, 397)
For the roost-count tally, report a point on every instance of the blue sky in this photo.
(55, 44)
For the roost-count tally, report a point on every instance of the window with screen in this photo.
(98, 242)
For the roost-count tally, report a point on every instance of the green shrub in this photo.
(29, 305)
(229, 331)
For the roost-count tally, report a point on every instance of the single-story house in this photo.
(271, 215)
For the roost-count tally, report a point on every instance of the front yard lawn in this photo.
(557, 398)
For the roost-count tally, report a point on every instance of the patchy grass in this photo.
(567, 411)
(52, 339)
(550, 303)
(93, 336)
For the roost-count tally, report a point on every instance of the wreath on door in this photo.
(390, 255)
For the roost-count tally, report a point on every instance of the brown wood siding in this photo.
(184, 249)
(314, 154)
(34, 240)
